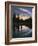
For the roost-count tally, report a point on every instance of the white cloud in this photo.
(25, 10)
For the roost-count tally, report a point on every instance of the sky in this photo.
(22, 10)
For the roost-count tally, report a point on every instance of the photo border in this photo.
(7, 22)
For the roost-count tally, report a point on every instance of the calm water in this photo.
(24, 32)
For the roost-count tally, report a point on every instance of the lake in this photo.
(23, 32)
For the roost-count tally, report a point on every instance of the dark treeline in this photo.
(27, 22)
(17, 22)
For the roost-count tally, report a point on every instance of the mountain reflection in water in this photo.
(24, 32)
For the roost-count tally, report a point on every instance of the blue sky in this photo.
(28, 8)
(19, 10)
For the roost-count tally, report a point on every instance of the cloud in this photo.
(25, 10)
